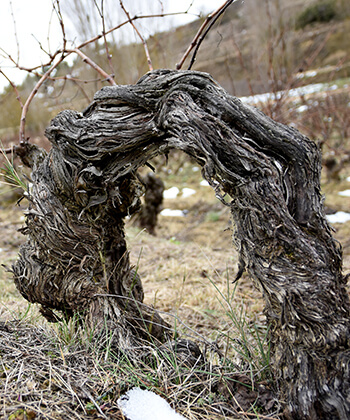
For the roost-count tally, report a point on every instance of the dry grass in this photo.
(43, 377)
(44, 374)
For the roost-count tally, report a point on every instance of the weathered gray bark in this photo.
(76, 252)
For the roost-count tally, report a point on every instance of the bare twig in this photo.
(102, 16)
(214, 17)
(32, 70)
(91, 63)
(57, 8)
(198, 39)
(144, 43)
(14, 87)
(15, 29)
(80, 88)
(31, 97)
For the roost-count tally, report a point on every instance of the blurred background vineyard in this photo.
(256, 47)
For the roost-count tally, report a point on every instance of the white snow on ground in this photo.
(345, 193)
(138, 404)
(302, 108)
(338, 217)
(204, 183)
(309, 73)
(171, 192)
(187, 192)
(348, 178)
(292, 93)
(172, 213)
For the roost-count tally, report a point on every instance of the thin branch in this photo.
(76, 82)
(198, 39)
(120, 25)
(31, 97)
(144, 43)
(41, 46)
(57, 8)
(109, 56)
(14, 87)
(73, 79)
(212, 21)
(15, 28)
(80, 89)
(91, 63)
(27, 69)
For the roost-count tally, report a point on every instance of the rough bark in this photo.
(76, 252)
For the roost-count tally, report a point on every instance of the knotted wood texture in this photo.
(76, 260)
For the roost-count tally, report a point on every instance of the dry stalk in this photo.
(198, 39)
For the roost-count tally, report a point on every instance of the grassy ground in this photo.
(58, 372)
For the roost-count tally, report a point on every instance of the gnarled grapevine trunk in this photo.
(75, 259)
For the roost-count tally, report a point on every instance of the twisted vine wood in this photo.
(76, 260)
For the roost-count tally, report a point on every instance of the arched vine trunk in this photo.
(76, 260)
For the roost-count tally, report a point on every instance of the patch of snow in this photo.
(307, 90)
(204, 183)
(195, 169)
(256, 99)
(309, 73)
(292, 93)
(1, 249)
(173, 213)
(138, 404)
(302, 108)
(348, 178)
(187, 192)
(345, 193)
(338, 217)
(171, 192)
